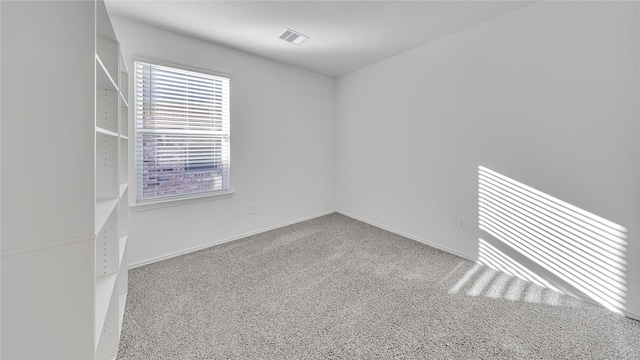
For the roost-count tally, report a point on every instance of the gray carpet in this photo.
(336, 288)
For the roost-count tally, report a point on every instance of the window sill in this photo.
(178, 201)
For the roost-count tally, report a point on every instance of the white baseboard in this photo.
(412, 237)
(631, 315)
(219, 242)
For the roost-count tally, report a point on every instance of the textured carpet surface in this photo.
(336, 288)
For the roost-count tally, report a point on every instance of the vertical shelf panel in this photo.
(107, 255)
(104, 290)
(123, 211)
(122, 275)
(107, 110)
(124, 97)
(106, 166)
(123, 282)
(124, 79)
(124, 160)
(107, 51)
(122, 272)
(123, 205)
(108, 330)
(124, 121)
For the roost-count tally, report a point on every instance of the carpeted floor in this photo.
(336, 288)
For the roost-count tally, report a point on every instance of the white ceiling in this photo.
(344, 35)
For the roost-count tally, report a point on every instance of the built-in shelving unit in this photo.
(64, 249)
(111, 225)
(123, 202)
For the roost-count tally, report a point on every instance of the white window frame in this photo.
(151, 203)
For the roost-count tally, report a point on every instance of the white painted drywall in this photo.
(282, 146)
(546, 95)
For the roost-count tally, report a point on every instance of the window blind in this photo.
(182, 132)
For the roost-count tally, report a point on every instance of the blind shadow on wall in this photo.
(536, 237)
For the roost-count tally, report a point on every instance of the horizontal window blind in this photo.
(182, 132)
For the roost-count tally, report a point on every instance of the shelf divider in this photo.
(122, 303)
(122, 244)
(103, 209)
(105, 285)
(103, 78)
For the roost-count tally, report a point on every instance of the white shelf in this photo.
(105, 286)
(103, 209)
(103, 78)
(105, 131)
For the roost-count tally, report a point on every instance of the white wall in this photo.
(546, 95)
(282, 146)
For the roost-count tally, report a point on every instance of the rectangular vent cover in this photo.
(293, 37)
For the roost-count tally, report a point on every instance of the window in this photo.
(182, 132)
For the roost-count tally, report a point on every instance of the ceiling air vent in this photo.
(293, 37)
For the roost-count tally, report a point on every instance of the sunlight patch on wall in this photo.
(582, 249)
